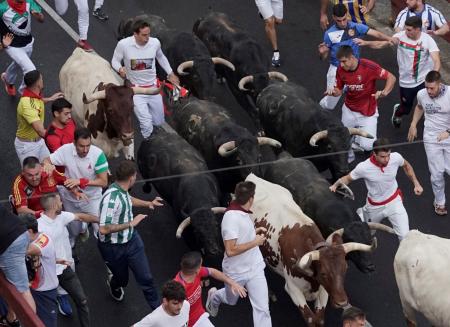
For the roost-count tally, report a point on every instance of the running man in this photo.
(272, 13)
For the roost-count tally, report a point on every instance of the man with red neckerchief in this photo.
(384, 198)
(29, 140)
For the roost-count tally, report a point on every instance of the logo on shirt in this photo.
(356, 87)
(141, 64)
(89, 167)
(359, 77)
(42, 241)
(351, 32)
(431, 109)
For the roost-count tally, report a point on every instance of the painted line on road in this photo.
(57, 18)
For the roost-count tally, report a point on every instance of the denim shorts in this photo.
(12, 263)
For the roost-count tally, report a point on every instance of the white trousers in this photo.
(149, 110)
(367, 123)
(83, 14)
(269, 8)
(257, 291)
(36, 149)
(21, 63)
(330, 102)
(438, 155)
(203, 321)
(394, 211)
(98, 4)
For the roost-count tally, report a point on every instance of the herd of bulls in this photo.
(308, 247)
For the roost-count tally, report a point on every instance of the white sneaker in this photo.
(212, 310)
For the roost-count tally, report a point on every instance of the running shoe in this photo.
(9, 88)
(83, 44)
(100, 14)
(64, 306)
(212, 310)
(396, 121)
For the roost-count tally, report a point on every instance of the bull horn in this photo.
(318, 136)
(183, 66)
(217, 210)
(145, 90)
(269, 141)
(305, 262)
(244, 80)
(353, 246)
(339, 232)
(99, 95)
(382, 227)
(227, 148)
(346, 192)
(278, 75)
(360, 132)
(221, 61)
(185, 223)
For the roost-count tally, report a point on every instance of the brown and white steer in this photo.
(100, 102)
(295, 249)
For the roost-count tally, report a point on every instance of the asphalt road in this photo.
(377, 293)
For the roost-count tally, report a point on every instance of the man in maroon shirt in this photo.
(360, 106)
(62, 128)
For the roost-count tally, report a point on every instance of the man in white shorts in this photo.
(243, 261)
(272, 13)
(139, 54)
(384, 198)
(434, 102)
(433, 22)
(174, 310)
(86, 167)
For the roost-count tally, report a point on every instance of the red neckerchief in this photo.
(236, 206)
(19, 8)
(376, 163)
(31, 94)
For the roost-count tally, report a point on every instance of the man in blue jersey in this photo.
(341, 33)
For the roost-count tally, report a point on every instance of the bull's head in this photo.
(254, 84)
(114, 110)
(205, 228)
(199, 75)
(336, 141)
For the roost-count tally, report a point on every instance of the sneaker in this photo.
(64, 306)
(276, 61)
(100, 14)
(118, 293)
(396, 121)
(9, 88)
(440, 210)
(83, 44)
(212, 310)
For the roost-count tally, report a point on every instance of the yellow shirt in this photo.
(29, 110)
(353, 8)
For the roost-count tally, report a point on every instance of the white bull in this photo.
(296, 250)
(422, 272)
(108, 107)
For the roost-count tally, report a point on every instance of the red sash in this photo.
(389, 199)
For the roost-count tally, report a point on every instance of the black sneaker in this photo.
(100, 14)
(396, 121)
(117, 294)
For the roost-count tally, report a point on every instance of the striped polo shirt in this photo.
(354, 10)
(116, 209)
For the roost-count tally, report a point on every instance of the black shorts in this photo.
(407, 97)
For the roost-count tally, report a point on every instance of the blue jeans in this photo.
(120, 257)
(46, 306)
(12, 263)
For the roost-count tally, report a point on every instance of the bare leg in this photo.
(271, 32)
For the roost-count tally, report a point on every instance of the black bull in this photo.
(193, 195)
(288, 114)
(310, 190)
(187, 55)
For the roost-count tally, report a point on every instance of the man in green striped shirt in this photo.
(119, 242)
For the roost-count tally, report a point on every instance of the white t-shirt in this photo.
(88, 167)
(437, 113)
(380, 183)
(414, 59)
(139, 61)
(160, 318)
(57, 230)
(239, 225)
(432, 19)
(47, 278)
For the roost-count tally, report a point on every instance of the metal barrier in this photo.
(23, 311)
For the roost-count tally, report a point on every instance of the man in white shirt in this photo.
(433, 22)
(434, 103)
(174, 310)
(53, 222)
(86, 167)
(139, 53)
(417, 54)
(384, 198)
(243, 261)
